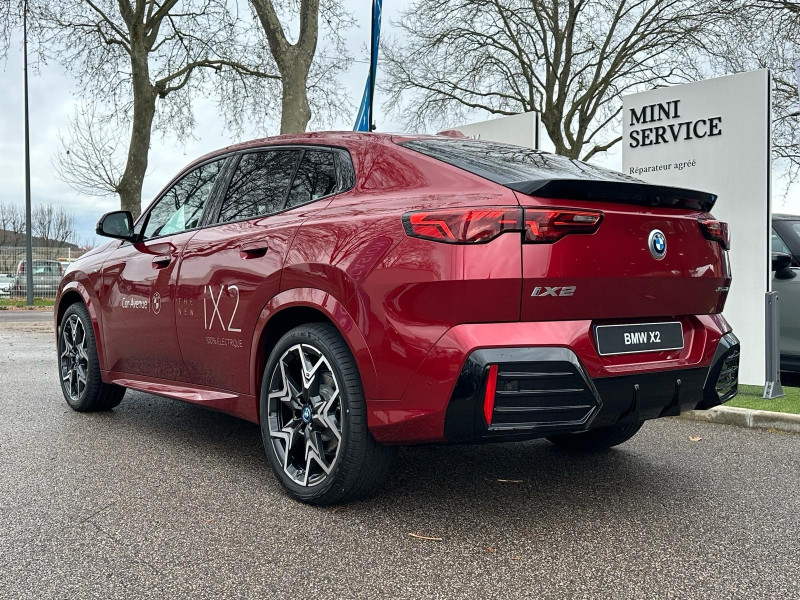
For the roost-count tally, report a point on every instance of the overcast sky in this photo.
(52, 102)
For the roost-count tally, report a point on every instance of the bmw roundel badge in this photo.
(306, 414)
(657, 242)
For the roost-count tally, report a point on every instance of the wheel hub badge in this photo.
(306, 414)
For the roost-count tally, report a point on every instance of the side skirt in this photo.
(243, 406)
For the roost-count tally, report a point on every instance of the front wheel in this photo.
(596, 440)
(314, 419)
(79, 367)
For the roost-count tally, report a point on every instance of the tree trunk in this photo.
(144, 108)
(295, 111)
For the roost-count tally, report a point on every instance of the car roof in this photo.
(322, 138)
(785, 217)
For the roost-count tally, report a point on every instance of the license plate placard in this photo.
(638, 337)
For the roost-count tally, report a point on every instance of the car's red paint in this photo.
(411, 310)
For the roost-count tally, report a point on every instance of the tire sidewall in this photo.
(304, 335)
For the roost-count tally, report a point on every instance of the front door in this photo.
(139, 281)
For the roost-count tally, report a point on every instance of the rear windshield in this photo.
(548, 175)
(504, 163)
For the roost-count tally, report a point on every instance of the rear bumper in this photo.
(544, 391)
(550, 379)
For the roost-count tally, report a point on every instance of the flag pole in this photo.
(372, 64)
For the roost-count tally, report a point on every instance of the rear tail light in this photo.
(717, 231)
(546, 226)
(477, 225)
(20, 268)
(462, 226)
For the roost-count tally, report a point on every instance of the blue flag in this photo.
(364, 118)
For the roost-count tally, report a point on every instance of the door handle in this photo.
(253, 250)
(159, 262)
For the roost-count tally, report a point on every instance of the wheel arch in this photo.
(299, 306)
(75, 292)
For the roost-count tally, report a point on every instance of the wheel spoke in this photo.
(73, 384)
(315, 451)
(289, 392)
(325, 419)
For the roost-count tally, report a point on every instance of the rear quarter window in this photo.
(315, 178)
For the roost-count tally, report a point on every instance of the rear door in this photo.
(139, 281)
(231, 270)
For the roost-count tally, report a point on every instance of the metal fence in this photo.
(49, 265)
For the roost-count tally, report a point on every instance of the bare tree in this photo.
(570, 60)
(12, 224)
(53, 225)
(295, 60)
(10, 19)
(144, 61)
(89, 160)
(764, 34)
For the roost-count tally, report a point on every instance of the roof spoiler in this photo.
(643, 194)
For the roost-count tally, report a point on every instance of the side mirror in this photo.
(781, 264)
(117, 224)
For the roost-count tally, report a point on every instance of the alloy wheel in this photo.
(74, 357)
(305, 414)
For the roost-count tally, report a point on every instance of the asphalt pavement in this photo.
(161, 499)
(26, 316)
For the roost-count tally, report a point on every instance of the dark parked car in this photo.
(786, 265)
(351, 292)
(47, 275)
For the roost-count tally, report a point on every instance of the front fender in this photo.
(81, 285)
(336, 313)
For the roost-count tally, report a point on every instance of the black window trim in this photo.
(338, 161)
(141, 223)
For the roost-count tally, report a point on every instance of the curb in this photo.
(746, 417)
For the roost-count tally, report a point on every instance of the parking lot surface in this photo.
(160, 499)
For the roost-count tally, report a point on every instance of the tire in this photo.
(596, 440)
(77, 359)
(314, 426)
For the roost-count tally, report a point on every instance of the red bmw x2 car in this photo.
(351, 292)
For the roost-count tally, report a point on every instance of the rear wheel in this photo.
(596, 440)
(79, 367)
(314, 419)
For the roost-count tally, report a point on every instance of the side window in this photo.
(315, 178)
(181, 208)
(259, 185)
(777, 243)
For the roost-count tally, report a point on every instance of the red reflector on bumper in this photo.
(488, 399)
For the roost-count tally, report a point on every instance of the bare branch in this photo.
(89, 158)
